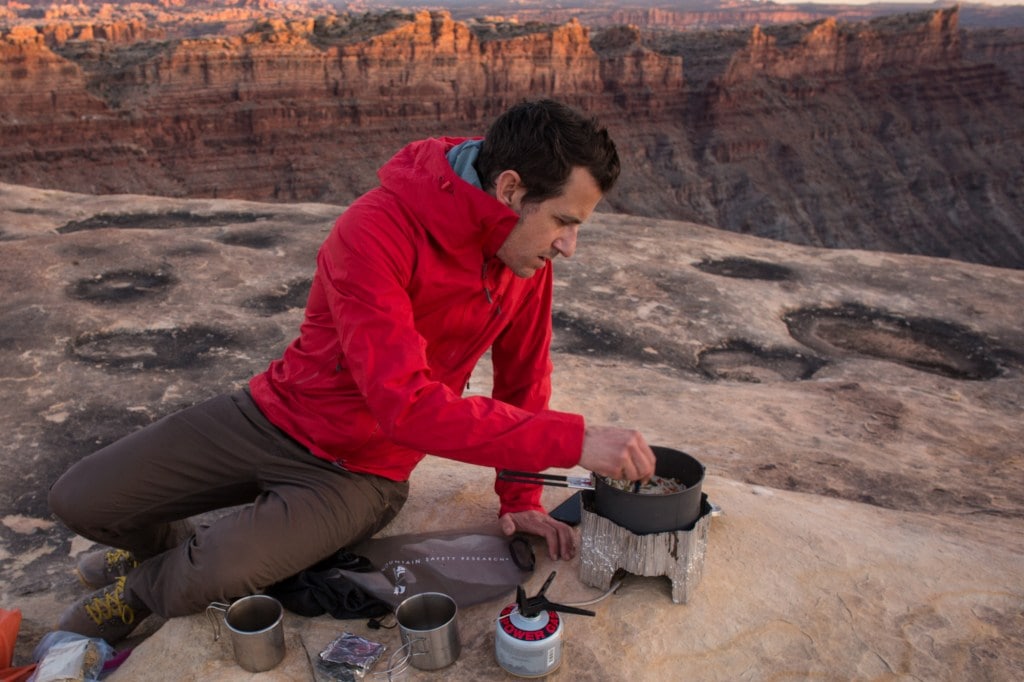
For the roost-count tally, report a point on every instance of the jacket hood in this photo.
(450, 208)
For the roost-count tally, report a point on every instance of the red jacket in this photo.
(408, 295)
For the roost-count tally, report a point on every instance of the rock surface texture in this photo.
(859, 415)
(901, 133)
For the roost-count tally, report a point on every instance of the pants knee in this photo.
(62, 502)
(74, 504)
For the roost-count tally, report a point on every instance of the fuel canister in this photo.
(528, 646)
(528, 636)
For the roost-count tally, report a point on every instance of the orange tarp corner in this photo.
(10, 623)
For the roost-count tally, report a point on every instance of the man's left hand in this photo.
(561, 538)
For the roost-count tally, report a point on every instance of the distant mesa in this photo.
(850, 128)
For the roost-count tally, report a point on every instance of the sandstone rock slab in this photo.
(872, 490)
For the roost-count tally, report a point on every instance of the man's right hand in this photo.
(620, 454)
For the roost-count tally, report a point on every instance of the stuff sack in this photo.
(375, 576)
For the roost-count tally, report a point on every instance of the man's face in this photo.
(549, 228)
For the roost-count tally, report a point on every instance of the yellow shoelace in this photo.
(105, 607)
(115, 556)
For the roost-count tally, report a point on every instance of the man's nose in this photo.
(565, 244)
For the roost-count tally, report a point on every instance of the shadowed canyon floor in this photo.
(859, 415)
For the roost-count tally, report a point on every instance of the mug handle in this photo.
(214, 621)
(394, 668)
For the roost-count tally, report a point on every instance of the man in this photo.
(449, 257)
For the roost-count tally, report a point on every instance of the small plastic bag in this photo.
(69, 657)
(350, 657)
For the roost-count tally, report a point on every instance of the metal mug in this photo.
(429, 632)
(257, 631)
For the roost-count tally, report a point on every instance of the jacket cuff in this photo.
(563, 450)
(563, 439)
(517, 497)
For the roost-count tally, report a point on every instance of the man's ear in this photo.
(509, 189)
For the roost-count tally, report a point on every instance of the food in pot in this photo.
(658, 485)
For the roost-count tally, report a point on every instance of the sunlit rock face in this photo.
(898, 134)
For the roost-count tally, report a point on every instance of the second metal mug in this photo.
(257, 632)
(426, 623)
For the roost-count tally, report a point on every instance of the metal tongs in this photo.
(580, 482)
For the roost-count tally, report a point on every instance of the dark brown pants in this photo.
(138, 493)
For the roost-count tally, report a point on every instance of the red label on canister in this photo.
(548, 630)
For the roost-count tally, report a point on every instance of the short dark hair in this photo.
(543, 140)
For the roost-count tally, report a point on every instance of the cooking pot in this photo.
(653, 513)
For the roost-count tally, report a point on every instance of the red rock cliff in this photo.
(879, 135)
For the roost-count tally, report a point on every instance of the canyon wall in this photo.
(900, 134)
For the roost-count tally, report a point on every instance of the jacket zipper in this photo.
(487, 291)
(490, 300)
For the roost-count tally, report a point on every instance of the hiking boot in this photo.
(110, 613)
(102, 567)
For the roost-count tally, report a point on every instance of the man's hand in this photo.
(561, 538)
(620, 454)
